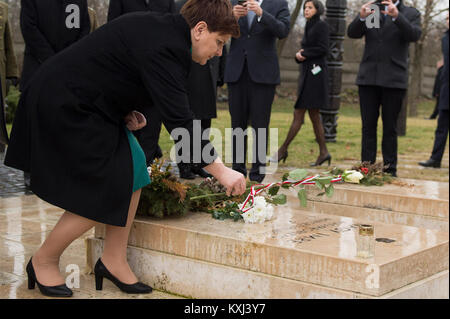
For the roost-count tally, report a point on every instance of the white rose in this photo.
(260, 201)
(353, 176)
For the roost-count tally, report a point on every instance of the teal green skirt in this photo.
(141, 176)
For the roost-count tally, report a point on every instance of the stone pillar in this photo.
(335, 16)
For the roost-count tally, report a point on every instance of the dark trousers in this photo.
(148, 136)
(205, 124)
(440, 139)
(390, 100)
(250, 104)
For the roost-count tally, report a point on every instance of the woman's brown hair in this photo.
(218, 15)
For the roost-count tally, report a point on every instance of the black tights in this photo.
(299, 119)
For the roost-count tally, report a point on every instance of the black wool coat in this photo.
(69, 127)
(43, 25)
(121, 7)
(313, 89)
(386, 56)
(443, 98)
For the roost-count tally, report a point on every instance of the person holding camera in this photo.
(383, 74)
(252, 72)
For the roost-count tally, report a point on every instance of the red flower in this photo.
(365, 170)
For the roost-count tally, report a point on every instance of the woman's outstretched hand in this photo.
(232, 180)
(135, 121)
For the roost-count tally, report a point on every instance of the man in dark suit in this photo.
(441, 134)
(149, 134)
(383, 75)
(252, 73)
(48, 27)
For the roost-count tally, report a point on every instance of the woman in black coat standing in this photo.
(73, 122)
(313, 82)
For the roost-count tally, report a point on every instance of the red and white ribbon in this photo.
(254, 192)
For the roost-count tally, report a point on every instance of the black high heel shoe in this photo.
(54, 291)
(320, 161)
(282, 158)
(101, 272)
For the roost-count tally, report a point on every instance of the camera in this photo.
(242, 3)
(379, 4)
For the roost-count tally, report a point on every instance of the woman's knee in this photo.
(299, 116)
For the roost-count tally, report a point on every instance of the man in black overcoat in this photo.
(383, 74)
(252, 72)
(120, 7)
(48, 27)
(148, 136)
(441, 134)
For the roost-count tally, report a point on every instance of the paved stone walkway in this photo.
(11, 181)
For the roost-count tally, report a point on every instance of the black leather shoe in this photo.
(283, 158)
(258, 178)
(54, 291)
(320, 161)
(101, 272)
(185, 171)
(430, 163)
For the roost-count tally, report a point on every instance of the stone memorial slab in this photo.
(205, 280)
(417, 203)
(301, 246)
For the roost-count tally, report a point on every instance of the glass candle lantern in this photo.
(366, 241)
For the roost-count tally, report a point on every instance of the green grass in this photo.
(304, 150)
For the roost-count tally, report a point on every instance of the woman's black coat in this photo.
(313, 89)
(69, 127)
(43, 25)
